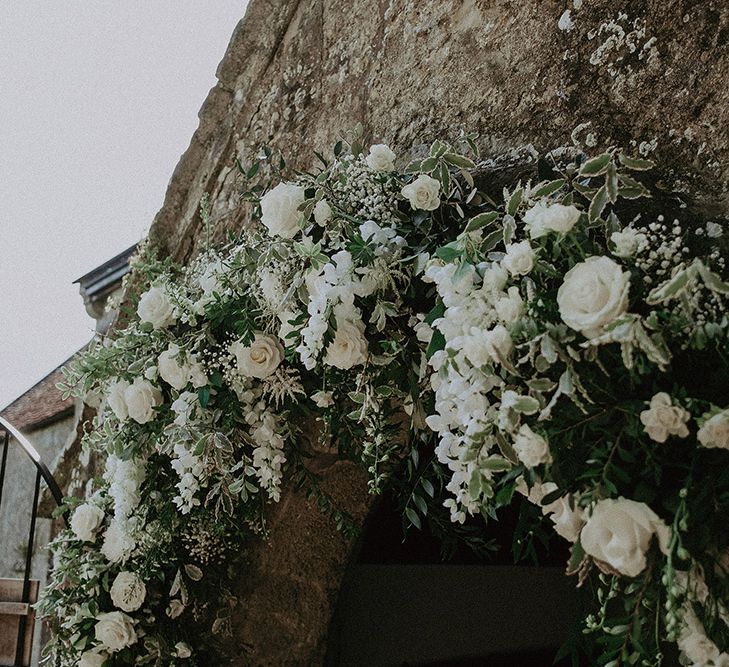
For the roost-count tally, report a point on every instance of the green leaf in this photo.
(596, 166)
(611, 183)
(548, 188)
(203, 395)
(427, 486)
(459, 160)
(421, 504)
(669, 288)
(414, 167)
(598, 204)
(526, 405)
(481, 220)
(413, 517)
(712, 280)
(491, 241)
(636, 164)
(437, 343)
(514, 201)
(449, 252)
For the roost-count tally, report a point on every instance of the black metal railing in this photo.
(7, 433)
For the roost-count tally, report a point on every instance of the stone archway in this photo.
(297, 73)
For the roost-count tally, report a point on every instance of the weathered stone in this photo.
(647, 74)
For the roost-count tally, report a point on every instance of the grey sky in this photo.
(97, 102)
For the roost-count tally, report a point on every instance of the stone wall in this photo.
(648, 74)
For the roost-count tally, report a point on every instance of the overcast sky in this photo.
(98, 100)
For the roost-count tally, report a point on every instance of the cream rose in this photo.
(115, 630)
(619, 533)
(593, 294)
(544, 218)
(715, 431)
(156, 308)
(531, 448)
(86, 520)
(128, 591)
(423, 193)
(170, 370)
(349, 347)
(259, 359)
(380, 158)
(519, 258)
(664, 419)
(92, 658)
(142, 397)
(322, 212)
(280, 210)
(116, 401)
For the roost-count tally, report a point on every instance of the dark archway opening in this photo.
(401, 605)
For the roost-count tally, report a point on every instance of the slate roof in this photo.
(41, 405)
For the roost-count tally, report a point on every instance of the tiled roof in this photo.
(40, 405)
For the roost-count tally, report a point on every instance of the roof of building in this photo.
(102, 280)
(41, 405)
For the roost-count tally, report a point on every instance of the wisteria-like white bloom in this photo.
(268, 456)
(619, 532)
(510, 307)
(115, 630)
(125, 478)
(423, 193)
(141, 398)
(259, 359)
(519, 258)
(545, 218)
(380, 158)
(191, 470)
(531, 448)
(184, 407)
(128, 591)
(594, 294)
(86, 520)
(280, 210)
(156, 308)
(714, 432)
(118, 541)
(663, 419)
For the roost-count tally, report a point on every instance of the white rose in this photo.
(349, 347)
(322, 212)
(715, 431)
(141, 398)
(170, 370)
(259, 359)
(85, 521)
(663, 419)
(543, 218)
(495, 278)
(519, 258)
(510, 307)
(593, 294)
(156, 308)
(280, 210)
(423, 193)
(128, 591)
(115, 630)
(619, 533)
(116, 401)
(92, 659)
(182, 650)
(627, 242)
(380, 158)
(531, 448)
